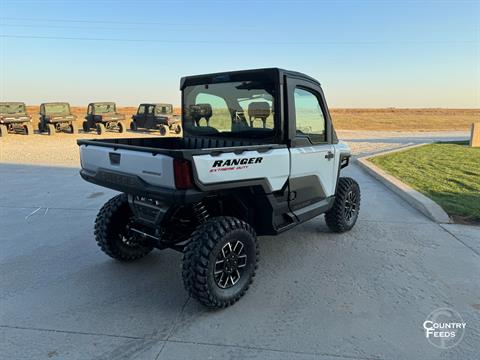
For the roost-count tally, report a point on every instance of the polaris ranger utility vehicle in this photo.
(104, 116)
(13, 118)
(156, 116)
(57, 117)
(259, 155)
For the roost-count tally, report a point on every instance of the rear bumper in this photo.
(60, 121)
(133, 185)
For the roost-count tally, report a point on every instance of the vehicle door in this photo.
(150, 117)
(89, 117)
(139, 117)
(313, 169)
(41, 117)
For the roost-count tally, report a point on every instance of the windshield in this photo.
(57, 109)
(236, 109)
(12, 108)
(104, 108)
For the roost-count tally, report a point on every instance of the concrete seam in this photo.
(174, 326)
(459, 240)
(70, 332)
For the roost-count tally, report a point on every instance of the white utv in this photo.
(259, 156)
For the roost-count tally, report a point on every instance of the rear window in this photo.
(237, 109)
(104, 108)
(57, 109)
(12, 109)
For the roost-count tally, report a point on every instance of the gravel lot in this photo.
(62, 148)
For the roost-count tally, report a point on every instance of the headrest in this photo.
(259, 109)
(199, 111)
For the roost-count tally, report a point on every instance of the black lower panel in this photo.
(304, 191)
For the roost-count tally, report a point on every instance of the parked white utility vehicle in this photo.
(259, 155)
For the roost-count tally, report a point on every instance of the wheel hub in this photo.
(229, 264)
(350, 205)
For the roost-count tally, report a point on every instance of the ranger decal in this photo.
(233, 164)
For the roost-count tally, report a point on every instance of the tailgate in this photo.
(153, 169)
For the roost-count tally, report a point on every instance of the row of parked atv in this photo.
(57, 117)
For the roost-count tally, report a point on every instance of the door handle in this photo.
(329, 155)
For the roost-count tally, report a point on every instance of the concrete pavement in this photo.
(366, 143)
(317, 295)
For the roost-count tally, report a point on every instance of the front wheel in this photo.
(51, 129)
(133, 126)
(344, 212)
(28, 129)
(178, 129)
(219, 262)
(112, 233)
(121, 127)
(85, 127)
(3, 131)
(101, 129)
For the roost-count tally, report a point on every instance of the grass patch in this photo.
(448, 173)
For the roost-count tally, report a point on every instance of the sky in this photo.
(364, 53)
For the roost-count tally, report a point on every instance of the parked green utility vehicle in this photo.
(103, 116)
(156, 117)
(56, 117)
(14, 118)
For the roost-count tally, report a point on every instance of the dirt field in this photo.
(365, 119)
(62, 148)
(404, 119)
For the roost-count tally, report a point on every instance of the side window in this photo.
(90, 109)
(141, 110)
(150, 109)
(309, 116)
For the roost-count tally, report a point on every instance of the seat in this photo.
(199, 111)
(259, 110)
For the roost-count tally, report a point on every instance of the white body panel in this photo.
(274, 166)
(155, 170)
(310, 160)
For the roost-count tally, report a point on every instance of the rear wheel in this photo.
(101, 129)
(112, 234)
(3, 131)
(28, 129)
(85, 126)
(73, 128)
(178, 129)
(344, 212)
(51, 129)
(163, 130)
(219, 262)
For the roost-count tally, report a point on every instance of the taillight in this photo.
(182, 170)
